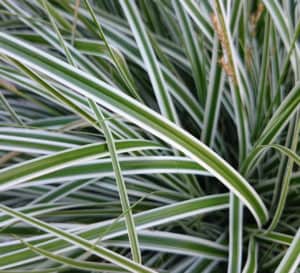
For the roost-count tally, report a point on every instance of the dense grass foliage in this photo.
(149, 136)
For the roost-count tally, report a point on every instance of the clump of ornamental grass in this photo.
(149, 136)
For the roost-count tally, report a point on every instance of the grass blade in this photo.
(140, 115)
(132, 234)
(162, 95)
(97, 250)
(291, 259)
